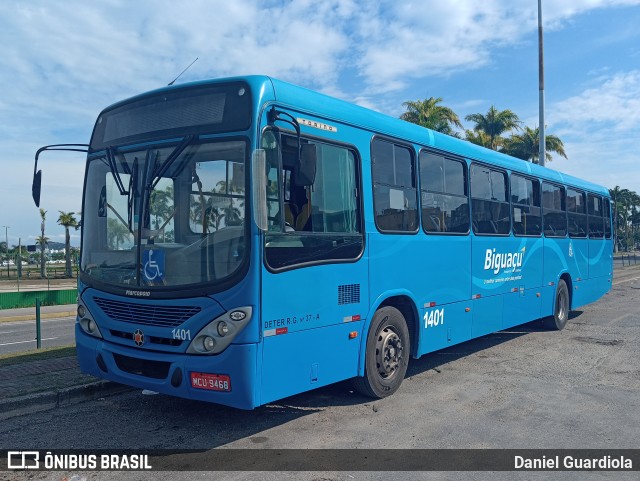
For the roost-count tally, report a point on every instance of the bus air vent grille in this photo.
(148, 315)
(349, 294)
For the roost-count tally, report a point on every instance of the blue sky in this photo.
(63, 62)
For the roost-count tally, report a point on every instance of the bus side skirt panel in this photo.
(299, 361)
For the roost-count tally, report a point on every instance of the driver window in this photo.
(311, 223)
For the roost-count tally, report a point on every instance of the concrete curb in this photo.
(32, 317)
(45, 401)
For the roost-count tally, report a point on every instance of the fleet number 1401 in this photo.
(433, 318)
(181, 334)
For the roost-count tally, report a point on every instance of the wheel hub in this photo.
(388, 352)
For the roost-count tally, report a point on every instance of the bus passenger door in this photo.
(314, 292)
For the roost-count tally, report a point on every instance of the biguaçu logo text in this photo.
(499, 260)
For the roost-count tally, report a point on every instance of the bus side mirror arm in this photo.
(36, 185)
(307, 154)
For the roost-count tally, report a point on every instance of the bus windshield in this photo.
(170, 214)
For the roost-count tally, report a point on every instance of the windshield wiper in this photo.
(159, 172)
(114, 171)
(132, 193)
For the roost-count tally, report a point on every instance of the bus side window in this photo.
(525, 202)
(554, 210)
(445, 206)
(394, 187)
(577, 214)
(596, 218)
(607, 219)
(489, 201)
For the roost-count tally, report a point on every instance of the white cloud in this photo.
(598, 127)
(614, 102)
(408, 40)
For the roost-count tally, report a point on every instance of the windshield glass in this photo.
(168, 215)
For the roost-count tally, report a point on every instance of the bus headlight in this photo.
(223, 329)
(208, 343)
(86, 321)
(218, 334)
(92, 327)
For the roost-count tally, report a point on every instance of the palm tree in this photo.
(632, 215)
(427, 113)
(42, 240)
(494, 124)
(616, 196)
(479, 138)
(526, 146)
(67, 219)
(621, 200)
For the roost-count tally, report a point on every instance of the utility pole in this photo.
(543, 149)
(19, 261)
(6, 236)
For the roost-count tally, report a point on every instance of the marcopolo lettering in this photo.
(497, 260)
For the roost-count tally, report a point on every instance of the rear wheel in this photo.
(558, 321)
(386, 356)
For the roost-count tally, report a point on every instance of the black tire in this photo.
(386, 355)
(561, 307)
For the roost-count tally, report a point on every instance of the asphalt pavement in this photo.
(20, 336)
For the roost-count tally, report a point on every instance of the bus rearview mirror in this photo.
(306, 169)
(36, 187)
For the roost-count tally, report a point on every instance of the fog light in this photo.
(237, 315)
(81, 311)
(223, 329)
(208, 343)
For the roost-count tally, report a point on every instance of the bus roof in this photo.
(331, 108)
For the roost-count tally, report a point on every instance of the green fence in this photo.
(11, 300)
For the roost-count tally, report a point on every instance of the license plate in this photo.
(210, 382)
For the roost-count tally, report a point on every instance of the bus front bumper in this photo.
(172, 373)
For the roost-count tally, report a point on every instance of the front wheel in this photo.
(386, 356)
(561, 308)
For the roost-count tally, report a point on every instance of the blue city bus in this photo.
(245, 239)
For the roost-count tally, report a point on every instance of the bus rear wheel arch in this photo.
(387, 354)
(561, 308)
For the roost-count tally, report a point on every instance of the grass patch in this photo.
(36, 355)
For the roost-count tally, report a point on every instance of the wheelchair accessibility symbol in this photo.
(153, 265)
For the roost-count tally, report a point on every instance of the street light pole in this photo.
(543, 149)
(6, 236)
